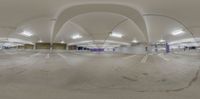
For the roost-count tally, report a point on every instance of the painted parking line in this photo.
(10, 53)
(62, 56)
(163, 57)
(144, 59)
(128, 57)
(36, 54)
(47, 56)
(65, 58)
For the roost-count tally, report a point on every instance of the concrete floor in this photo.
(58, 75)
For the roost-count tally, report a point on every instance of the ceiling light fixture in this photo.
(62, 42)
(118, 35)
(161, 41)
(178, 32)
(27, 34)
(76, 36)
(40, 41)
(135, 41)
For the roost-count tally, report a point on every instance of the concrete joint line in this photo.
(190, 83)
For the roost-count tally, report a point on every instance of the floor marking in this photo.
(62, 56)
(36, 54)
(163, 57)
(144, 59)
(128, 57)
(10, 53)
(47, 56)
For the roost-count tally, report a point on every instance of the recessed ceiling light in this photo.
(178, 32)
(40, 41)
(27, 34)
(62, 42)
(161, 40)
(118, 35)
(76, 36)
(135, 41)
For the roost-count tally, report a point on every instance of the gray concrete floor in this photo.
(58, 75)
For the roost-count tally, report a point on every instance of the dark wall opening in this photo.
(28, 46)
(20, 47)
(72, 47)
(59, 46)
(43, 46)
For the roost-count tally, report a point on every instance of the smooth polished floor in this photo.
(64, 75)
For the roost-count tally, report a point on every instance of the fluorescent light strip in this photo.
(27, 34)
(185, 40)
(14, 40)
(76, 36)
(101, 41)
(178, 32)
(161, 40)
(62, 42)
(40, 41)
(118, 35)
(135, 41)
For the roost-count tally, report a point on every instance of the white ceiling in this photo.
(98, 24)
(39, 17)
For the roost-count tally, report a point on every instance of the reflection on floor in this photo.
(58, 75)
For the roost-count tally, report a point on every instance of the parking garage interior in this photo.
(106, 49)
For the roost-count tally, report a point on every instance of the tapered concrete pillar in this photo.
(156, 48)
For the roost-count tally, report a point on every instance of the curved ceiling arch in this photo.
(162, 26)
(67, 31)
(40, 29)
(71, 12)
(188, 29)
(172, 18)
